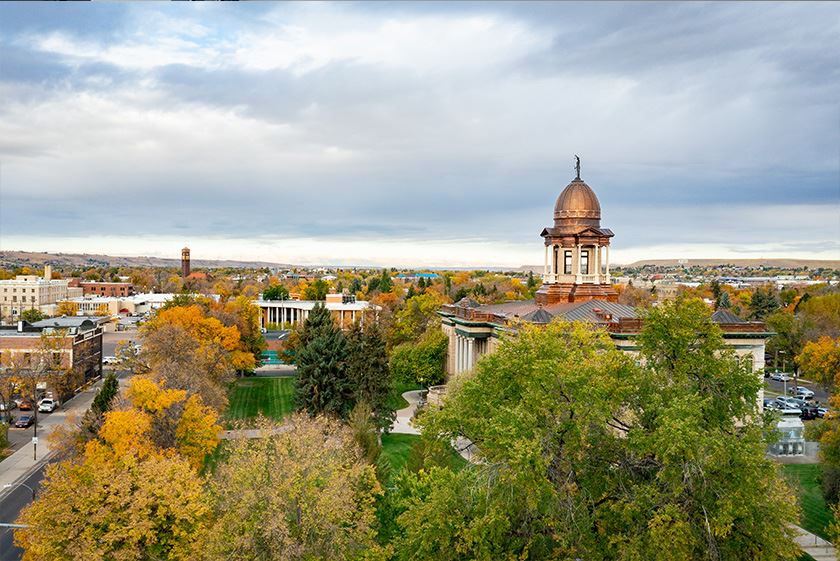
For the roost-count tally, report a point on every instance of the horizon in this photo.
(342, 133)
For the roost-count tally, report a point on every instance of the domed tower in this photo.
(577, 249)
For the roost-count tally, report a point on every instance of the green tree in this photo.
(584, 454)
(417, 317)
(323, 385)
(316, 290)
(31, 315)
(368, 371)
(385, 282)
(422, 362)
(106, 394)
(788, 338)
(276, 292)
(723, 302)
(355, 285)
(763, 303)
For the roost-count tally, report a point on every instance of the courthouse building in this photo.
(576, 287)
(345, 310)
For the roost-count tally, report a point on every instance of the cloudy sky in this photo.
(418, 134)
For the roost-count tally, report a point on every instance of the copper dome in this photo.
(577, 204)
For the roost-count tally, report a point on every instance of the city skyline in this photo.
(418, 134)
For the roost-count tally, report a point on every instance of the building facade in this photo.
(576, 287)
(345, 309)
(26, 292)
(65, 352)
(112, 289)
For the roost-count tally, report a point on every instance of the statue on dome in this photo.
(577, 166)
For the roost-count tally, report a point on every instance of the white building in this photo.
(345, 309)
(26, 292)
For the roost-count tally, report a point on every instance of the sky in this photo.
(418, 134)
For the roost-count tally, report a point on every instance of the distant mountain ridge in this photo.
(39, 259)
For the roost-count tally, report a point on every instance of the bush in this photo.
(830, 480)
(421, 363)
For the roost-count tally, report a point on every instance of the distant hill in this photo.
(39, 259)
(776, 263)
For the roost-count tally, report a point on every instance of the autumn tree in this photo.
(820, 361)
(323, 385)
(100, 507)
(66, 309)
(418, 316)
(584, 454)
(296, 494)
(422, 362)
(316, 290)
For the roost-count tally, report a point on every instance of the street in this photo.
(779, 387)
(10, 507)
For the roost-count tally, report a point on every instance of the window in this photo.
(556, 257)
(584, 262)
(567, 262)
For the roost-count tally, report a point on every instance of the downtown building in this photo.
(27, 292)
(576, 287)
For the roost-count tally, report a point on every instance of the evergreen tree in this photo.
(723, 301)
(410, 293)
(385, 282)
(367, 368)
(763, 303)
(106, 394)
(322, 385)
(355, 285)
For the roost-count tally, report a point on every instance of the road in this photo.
(10, 507)
(778, 387)
(110, 341)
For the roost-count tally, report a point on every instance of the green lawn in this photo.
(815, 513)
(397, 447)
(271, 397)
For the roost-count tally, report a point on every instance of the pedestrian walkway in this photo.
(815, 546)
(23, 461)
(402, 424)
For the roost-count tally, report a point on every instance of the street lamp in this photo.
(9, 486)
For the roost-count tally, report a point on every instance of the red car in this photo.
(24, 421)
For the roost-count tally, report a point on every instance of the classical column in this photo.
(461, 353)
(597, 264)
(577, 257)
(457, 354)
(545, 267)
(608, 264)
(470, 353)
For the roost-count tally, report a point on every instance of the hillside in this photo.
(39, 259)
(773, 263)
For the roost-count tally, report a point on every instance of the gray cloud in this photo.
(335, 121)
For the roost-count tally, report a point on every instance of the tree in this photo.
(417, 317)
(585, 454)
(385, 281)
(106, 394)
(368, 371)
(276, 292)
(422, 362)
(130, 508)
(66, 309)
(763, 303)
(322, 385)
(317, 290)
(31, 315)
(788, 338)
(304, 493)
(820, 362)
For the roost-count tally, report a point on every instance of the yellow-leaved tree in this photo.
(123, 499)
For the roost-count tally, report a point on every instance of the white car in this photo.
(780, 377)
(803, 392)
(109, 360)
(47, 405)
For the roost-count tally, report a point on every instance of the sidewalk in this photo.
(21, 463)
(814, 546)
(402, 424)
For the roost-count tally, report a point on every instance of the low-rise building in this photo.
(113, 289)
(63, 353)
(26, 292)
(137, 304)
(345, 309)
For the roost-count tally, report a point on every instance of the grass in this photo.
(816, 515)
(396, 448)
(397, 401)
(253, 396)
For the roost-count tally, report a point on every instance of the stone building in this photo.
(576, 287)
(345, 310)
(26, 292)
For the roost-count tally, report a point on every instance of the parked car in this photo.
(769, 403)
(809, 412)
(783, 402)
(780, 377)
(25, 405)
(822, 412)
(47, 405)
(109, 360)
(4, 406)
(803, 392)
(24, 421)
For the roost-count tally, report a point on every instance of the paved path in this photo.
(815, 546)
(402, 424)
